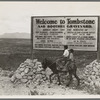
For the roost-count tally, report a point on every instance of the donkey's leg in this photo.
(50, 77)
(78, 79)
(70, 78)
(58, 79)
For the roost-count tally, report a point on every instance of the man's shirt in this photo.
(66, 53)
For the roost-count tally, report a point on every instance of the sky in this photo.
(16, 16)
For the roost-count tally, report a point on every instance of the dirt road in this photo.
(8, 88)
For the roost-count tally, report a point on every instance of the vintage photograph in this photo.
(49, 49)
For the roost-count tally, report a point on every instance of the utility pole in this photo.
(98, 41)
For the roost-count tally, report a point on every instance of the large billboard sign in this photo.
(78, 32)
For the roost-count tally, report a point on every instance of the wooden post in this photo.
(98, 42)
(32, 38)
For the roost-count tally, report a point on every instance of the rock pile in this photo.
(29, 71)
(5, 73)
(92, 75)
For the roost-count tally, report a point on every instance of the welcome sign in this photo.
(78, 32)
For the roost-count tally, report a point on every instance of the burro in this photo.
(46, 21)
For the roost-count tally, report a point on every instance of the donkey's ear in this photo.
(45, 59)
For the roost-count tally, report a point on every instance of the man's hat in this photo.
(66, 46)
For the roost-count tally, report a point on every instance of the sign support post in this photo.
(31, 38)
(98, 46)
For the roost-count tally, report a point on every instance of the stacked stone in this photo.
(29, 71)
(92, 74)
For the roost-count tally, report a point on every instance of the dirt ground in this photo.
(8, 88)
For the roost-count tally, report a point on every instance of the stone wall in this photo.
(92, 75)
